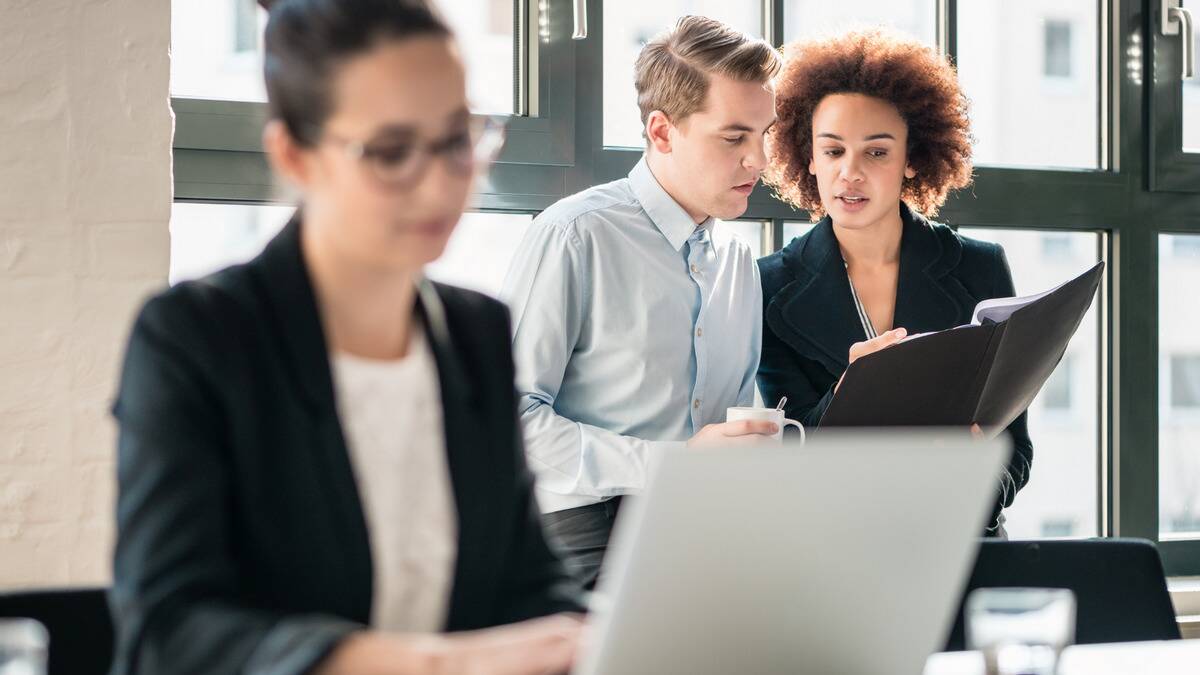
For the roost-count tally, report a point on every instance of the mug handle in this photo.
(794, 423)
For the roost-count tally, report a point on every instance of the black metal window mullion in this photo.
(947, 18)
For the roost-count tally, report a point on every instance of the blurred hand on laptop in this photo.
(543, 646)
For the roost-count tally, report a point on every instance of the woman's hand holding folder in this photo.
(878, 343)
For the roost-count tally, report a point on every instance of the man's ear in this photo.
(658, 132)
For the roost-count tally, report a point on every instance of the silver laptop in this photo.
(847, 555)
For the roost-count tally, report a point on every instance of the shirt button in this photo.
(699, 332)
(695, 270)
(696, 404)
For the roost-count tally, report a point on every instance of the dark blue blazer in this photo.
(241, 539)
(809, 319)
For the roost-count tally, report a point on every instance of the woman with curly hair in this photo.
(872, 136)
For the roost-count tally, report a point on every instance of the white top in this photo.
(391, 415)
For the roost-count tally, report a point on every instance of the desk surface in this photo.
(1174, 657)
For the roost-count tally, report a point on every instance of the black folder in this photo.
(986, 374)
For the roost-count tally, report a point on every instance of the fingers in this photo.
(540, 629)
(535, 647)
(877, 343)
(734, 433)
(551, 647)
(746, 427)
(885, 340)
(747, 441)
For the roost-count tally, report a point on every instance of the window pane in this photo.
(1191, 96)
(1178, 386)
(1057, 393)
(209, 237)
(1030, 70)
(1056, 246)
(1185, 247)
(795, 229)
(628, 25)
(811, 18)
(480, 250)
(749, 231)
(216, 50)
(1061, 497)
(485, 32)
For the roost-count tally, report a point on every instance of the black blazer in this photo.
(809, 319)
(241, 543)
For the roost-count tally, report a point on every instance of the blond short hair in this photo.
(672, 71)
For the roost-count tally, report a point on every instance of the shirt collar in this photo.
(667, 215)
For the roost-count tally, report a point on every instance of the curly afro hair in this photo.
(913, 77)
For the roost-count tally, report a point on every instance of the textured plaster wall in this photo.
(85, 198)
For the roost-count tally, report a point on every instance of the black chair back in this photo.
(1120, 589)
(79, 624)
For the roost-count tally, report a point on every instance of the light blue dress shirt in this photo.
(633, 328)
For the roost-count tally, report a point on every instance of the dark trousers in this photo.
(580, 535)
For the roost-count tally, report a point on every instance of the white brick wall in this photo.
(85, 198)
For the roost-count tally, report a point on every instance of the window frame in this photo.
(218, 144)
(1130, 199)
(1171, 168)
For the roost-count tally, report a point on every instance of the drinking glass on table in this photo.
(1021, 631)
(22, 647)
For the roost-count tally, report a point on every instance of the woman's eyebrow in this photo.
(872, 137)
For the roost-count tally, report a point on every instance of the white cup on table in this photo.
(769, 414)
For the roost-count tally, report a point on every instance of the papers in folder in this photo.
(987, 372)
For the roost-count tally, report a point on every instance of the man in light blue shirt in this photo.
(637, 319)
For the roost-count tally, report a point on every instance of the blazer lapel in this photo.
(470, 473)
(286, 283)
(928, 298)
(814, 313)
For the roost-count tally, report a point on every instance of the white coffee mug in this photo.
(768, 414)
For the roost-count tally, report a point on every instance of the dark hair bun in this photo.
(305, 39)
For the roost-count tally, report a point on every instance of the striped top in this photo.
(868, 327)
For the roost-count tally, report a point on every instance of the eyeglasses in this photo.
(399, 164)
